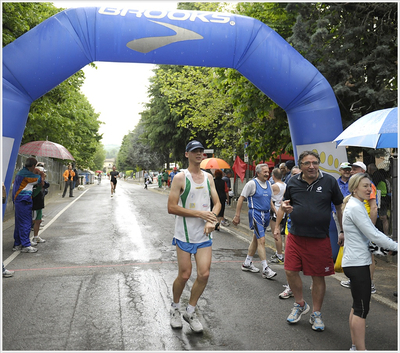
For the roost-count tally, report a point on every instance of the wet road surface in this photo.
(102, 281)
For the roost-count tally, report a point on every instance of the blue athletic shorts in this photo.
(191, 247)
(258, 221)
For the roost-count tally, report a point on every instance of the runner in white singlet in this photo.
(189, 201)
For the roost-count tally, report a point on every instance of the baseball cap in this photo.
(345, 165)
(192, 145)
(289, 164)
(360, 164)
(175, 168)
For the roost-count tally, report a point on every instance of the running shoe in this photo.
(276, 260)
(296, 313)
(8, 273)
(250, 268)
(287, 293)
(175, 318)
(268, 273)
(29, 249)
(39, 240)
(316, 321)
(17, 247)
(345, 284)
(193, 321)
(373, 289)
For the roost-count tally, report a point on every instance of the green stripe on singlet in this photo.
(184, 197)
(209, 192)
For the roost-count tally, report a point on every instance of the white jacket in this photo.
(358, 231)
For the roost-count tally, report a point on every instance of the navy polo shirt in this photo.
(311, 203)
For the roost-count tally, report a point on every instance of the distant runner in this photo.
(113, 180)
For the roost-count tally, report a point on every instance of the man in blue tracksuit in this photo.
(22, 198)
(258, 193)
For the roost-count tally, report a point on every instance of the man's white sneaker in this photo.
(268, 273)
(29, 249)
(8, 273)
(175, 318)
(296, 312)
(250, 268)
(316, 321)
(193, 321)
(287, 293)
(39, 240)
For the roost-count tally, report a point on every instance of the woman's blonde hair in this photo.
(354, 181)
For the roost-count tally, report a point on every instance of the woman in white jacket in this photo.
(358, 232)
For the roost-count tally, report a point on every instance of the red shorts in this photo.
(313, 256)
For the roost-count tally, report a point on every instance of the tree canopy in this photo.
(63, 115)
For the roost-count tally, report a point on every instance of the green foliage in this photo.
(219, 107)
(112, 152)
(199, 6)
(354, 45)
(261, 122)
(63, 115)
(20, 17)
(99, 158)
(136, 153)
(161, 117)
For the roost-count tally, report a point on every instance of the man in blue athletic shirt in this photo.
(258, 193)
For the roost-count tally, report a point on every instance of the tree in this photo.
(63, 115)
(136, 153)
(263, 125)
(99, 157)
(20, 17)
(354, 45)
(218, 106)
(161, 122)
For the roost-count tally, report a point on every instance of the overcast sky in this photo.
(117, 91)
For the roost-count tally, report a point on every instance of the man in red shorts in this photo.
(308, 198)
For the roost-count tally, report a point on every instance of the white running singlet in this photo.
(194, 197)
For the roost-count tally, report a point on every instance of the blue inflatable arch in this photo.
(60, 46)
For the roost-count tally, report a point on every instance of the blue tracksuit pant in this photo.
(23, 221)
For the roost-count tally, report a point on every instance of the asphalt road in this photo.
(102, 281)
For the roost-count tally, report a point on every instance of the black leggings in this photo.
(360, 285)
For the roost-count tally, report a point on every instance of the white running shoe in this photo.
(193, 321)
(296, 312)
(268, 273)
(287, 293)
(29, 249)
(175, 318)
(39, 240)
(250, 268)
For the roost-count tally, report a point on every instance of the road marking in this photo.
(132, 264)
(8, 260)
